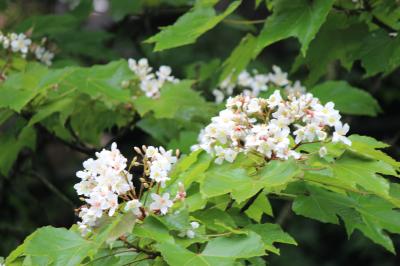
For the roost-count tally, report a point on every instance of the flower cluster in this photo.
(20, 43)
(107, 186)
(151, 83)
(255, 83)
(161, 162)
(269, 126)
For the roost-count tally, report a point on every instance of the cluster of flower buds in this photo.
(191, 231)
(268, 126)
(151, 83)
(20, 43)
(107, 186)
(255, 83)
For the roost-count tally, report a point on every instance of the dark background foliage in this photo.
(84, 36)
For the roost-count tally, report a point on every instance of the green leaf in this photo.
(62, 105)
(369, 214)
(260, 206)
(270, 234)
(216, 219)
(121, 8)
(60, 246)
(178, 220)
(176, 255)
(239, 58)
(5, 114)
(278, 173)
(20, 88)
(176, 100)
(347, 99)
(191, 168)
(184, 141)
(234, 178)
(111, 228)
(369, 147)
(26, 138)
(293, 18)
(355, 171)
(153, 228)
(379, 53)
(227, 178)
(189, 27)
(338, 39)
(236, 246)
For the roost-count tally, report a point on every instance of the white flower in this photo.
(219, 95)
(244, 79)
(161, 203)
(254, 106)
(327, 114)
(151, 87)
(20, 43)
(194, 225)
(295, 90)
(224, 154)
(259, 83)
(151, 152)
(96, 204)
(275, 99)
(190, 233)
(6, 43)
(140, 68)
(340, 132)
(279, 78)
(151, 83)
(47, 57)
(158, 175)
(39, 51)
(323, 152)
(164, 73)
(134, 206)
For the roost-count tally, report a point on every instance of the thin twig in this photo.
(284, 214)
(142, 259)
(244, 22)
(54, 189)
(109, 255)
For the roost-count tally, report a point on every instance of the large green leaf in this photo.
(176, 101)
(189, 27)
(379, 52)
(110, 228)
(239, 58)
(176, 255)
(227, 178)
(355, 171)
(270, 234)
(369, 214)
(234, 178)
(260, 206)
(236, 246)
(347, 99)
(61, 246)
(294, 18)
(21, 87)
(338, 39)
(369, 148)
(154, 229)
